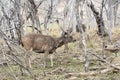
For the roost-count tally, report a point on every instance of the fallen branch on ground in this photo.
(112, 65)
(90, 73)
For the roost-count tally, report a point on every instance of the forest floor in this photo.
(67, 65)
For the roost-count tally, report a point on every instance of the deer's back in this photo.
(38, 42)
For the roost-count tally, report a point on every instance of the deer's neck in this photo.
(59, 42)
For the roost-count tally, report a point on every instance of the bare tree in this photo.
(79, 19)
(73, 16)
(33, 14)
(99, 20)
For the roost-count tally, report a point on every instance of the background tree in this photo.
(19, 17)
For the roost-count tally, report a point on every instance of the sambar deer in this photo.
(45, 44)
(77, 30)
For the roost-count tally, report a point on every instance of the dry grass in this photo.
(64, 63)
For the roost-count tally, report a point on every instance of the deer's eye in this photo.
(105, 46)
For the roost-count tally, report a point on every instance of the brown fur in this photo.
(43, 43)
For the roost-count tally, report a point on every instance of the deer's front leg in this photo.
(51, 59)
(66, 48)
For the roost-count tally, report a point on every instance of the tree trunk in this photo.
(99, 20)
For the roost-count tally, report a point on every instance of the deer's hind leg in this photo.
(28, 58)
(45, 58)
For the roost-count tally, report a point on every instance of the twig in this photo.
(11, 55)
(112, 65)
